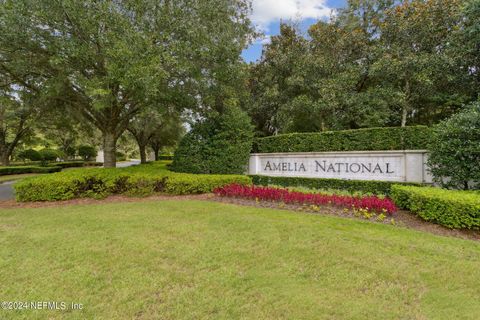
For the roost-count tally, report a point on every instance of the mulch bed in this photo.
(401, 218)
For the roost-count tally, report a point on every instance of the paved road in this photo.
(127, 163)
(7, 193)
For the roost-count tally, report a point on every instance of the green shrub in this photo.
(352, 186)
(77, 164)
(165, 157)
(219, 145)
(142, 180)
(87, 152)
(29, 154)
(454, 158)
(450, 208)
(395, 138)
(201, 183)
(48, 155)
(27, 169)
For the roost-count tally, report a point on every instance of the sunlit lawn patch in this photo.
(207, 260)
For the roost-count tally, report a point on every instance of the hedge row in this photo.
(450, 208)
(27, 169)
(77, 164)
(352, 186)
(138, 181)
(394, 138)
(165, 157)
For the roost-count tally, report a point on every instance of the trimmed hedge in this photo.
(165, 157)
(77, 164)
(27, 169)
(450, 208)
(140, 180)
(352, 186)
(370, 139)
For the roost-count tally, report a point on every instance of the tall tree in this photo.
(167, 134)
(414, 62)
(270, 79)
(16, 123)
(156, 129)
(108, 60)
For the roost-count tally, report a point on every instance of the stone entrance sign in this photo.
(402, 166)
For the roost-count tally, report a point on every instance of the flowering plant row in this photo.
(294, 197)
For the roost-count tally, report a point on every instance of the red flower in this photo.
(294, 197)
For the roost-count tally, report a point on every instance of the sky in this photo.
(267, 14)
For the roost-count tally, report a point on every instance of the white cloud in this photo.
(268, 11)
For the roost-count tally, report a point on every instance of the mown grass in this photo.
(207, 260)
(14, 177)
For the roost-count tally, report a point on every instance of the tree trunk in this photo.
(156, 151)
(406, 103)
(404, 116)
(143, 153)
(5, 159)
(109, 150)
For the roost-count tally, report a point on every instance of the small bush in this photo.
(352, 186)
(48, 155)
(27, 169)
(142, 180)
(29, 154)
(77, 164)
(87, 152)
(219, 145)
(450, 208)
(370, 139)
(454, 158)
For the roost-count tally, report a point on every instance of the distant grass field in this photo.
(207, 260)
(14, 177)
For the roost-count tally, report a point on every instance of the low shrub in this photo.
(77, 164)
(165, 157)
(141, 180)
(352, 186)
(48, 155)
(394, 138)
(374, 203)
(27, 169)
(29, 154)
(87, 152)
(450, 208)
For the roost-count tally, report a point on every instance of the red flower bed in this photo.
(293, 197)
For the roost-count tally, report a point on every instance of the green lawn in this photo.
(13, 177)
(206, 260)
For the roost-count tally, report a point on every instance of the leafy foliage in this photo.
(375, 63)
(140, 180)
(450, 208)
(48, 155)
(220, 144)
(28, 169)
(107, 61)
(455, 150)
(29, 154)
(397, 138)
(87, 152)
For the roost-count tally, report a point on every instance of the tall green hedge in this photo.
(393, 138)
(220, 144)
